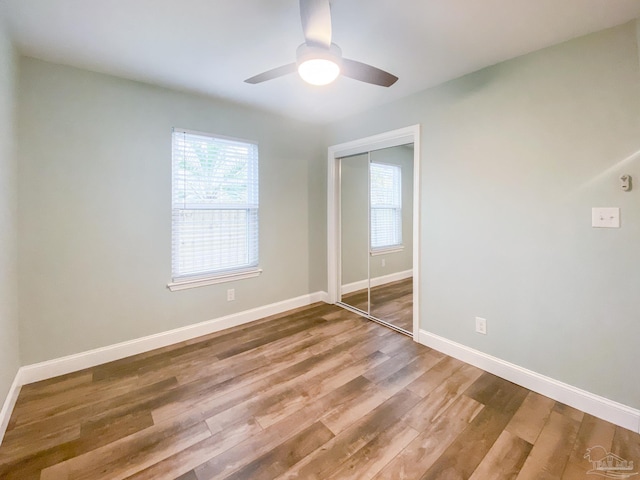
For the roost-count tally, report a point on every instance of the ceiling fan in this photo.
(319, 61)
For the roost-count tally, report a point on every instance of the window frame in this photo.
(186, 281)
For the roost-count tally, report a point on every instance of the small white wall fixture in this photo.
(394, 138)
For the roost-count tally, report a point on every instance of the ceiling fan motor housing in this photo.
(307, 52)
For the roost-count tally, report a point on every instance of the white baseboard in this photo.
(376, 281)
(392, 277)
(354, 286)
(91, 358)
(9, 403)
(595, 405)
(79, 361)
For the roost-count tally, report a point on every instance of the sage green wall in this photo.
(354, 218)
(513, 159)
(9, 353)
(317, 184)
(95, 213)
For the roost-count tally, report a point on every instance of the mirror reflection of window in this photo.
(385, 206)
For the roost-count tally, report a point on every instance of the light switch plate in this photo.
(608, 217)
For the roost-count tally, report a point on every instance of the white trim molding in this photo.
(394, 138)
(385, 250)
(595, 405)
(9, 403)
(214, 279)
(376, 282)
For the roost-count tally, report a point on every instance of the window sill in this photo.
(384, 251)
(203, 282)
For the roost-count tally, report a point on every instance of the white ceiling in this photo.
(211, 46)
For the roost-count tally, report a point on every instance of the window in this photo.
(386, 207)
(214, 209)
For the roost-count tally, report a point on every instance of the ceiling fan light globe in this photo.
(318, 71)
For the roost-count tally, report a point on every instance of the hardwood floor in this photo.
(391, 302)
(319, 393)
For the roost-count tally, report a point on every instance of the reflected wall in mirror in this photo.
(354, 228)
(376, 234)
(391, 236)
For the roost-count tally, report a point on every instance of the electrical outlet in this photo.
(231, 294)
(481, 325)
(384, 262)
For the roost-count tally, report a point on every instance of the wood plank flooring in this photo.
(391, 302)
(317, 393)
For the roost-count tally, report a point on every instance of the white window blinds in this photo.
(386, 205)
(214, 205)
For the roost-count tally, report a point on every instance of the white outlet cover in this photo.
(605, 217)
(481, 325)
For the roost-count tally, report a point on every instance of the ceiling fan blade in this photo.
(273, 73)
(367, 73)
(316, 22)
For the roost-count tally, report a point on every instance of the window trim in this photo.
(230, 275)
(203, 281)
(390, 249)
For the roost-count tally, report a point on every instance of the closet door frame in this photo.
(392, 138)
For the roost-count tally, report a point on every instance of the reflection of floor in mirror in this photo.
(391, 302)
(357, 299)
